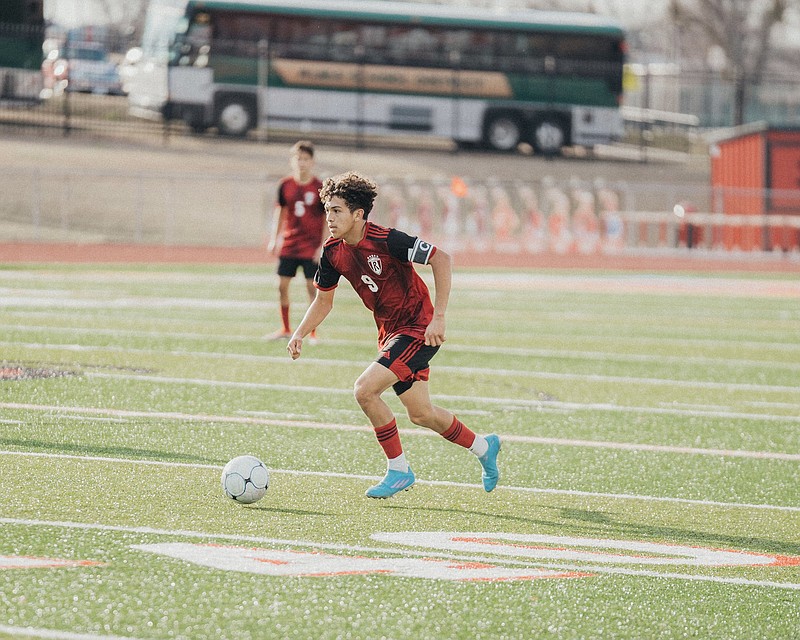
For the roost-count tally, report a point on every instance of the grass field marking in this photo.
(470, 280)
(503, 402)
(530, 373)
(601, 550)
(599, 356)
(52, 634)
(452, 346)
(116, 414)
(602, 569)
(438, 483)
(134, 302)
(516, 373)
(318, 564)
(33, 562)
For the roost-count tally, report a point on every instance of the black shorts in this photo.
(287, 267)
(408, 358)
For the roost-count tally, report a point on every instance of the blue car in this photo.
(90, 70)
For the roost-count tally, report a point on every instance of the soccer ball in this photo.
(245, 479)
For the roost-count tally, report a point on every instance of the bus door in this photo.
(191, 77)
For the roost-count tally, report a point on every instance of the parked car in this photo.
(90, 70)
(81, 66)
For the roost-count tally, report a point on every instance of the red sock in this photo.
(285, 318)
(460, 434)
(389, 439)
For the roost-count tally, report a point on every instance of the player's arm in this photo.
(441, 265)
(278, 219)
(317, 311)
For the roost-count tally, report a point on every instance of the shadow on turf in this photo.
(293, 512)
(589, 523)
(606, 524)
(42, 446)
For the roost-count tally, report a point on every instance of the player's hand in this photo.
(294, 347)
(434, 334)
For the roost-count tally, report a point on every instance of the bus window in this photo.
(477, 49)
(375, 40)
(300, 37)
(240, 26)
(412, 45)
(345, 41)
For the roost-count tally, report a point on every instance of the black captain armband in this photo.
(421, 252)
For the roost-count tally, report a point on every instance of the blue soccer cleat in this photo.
(393, 482)
(488, 461)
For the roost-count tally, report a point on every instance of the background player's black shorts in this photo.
(287, 267)
(408, 358)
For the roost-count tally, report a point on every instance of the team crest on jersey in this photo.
(375, 264)
(309, 197)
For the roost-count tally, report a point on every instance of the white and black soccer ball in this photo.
(245, 479)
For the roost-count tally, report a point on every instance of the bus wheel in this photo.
(503, 132)
(548, 137)
(235, 116)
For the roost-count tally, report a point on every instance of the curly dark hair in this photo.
(357, 191)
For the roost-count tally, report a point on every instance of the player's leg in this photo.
(287, 269)
(421, 411)
(283, 294)
(368, 389)
(309, 270)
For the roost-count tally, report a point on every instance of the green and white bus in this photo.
(379, 67)
(21, 39)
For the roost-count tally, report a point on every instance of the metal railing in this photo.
(491, 215)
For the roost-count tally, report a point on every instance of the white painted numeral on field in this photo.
(31, 562)
(597, 550)
(274, 562)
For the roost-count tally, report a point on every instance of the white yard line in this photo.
(547, 375)
(80, 412)
(599, 356)
(469, 280)
(781, 345)
(361, 549)
(440, 483)
(52, 634)
(539, 405)
(132, 302)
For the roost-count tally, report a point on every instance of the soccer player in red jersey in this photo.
(378, 263)
(299, 222)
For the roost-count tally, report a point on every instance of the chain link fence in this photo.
(78, 83)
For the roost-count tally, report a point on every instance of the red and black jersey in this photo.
(305, 217)
(380, 269)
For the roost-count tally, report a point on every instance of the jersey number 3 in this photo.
(371, 284)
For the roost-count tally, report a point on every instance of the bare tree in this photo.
(741, 29)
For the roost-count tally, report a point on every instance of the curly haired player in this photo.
(378, 263)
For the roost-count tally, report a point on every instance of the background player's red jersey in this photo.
(380, 270)
(302, 227)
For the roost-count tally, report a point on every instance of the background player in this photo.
(298, 225)
(377, 261)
